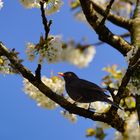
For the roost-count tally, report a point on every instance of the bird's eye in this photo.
(69, 74)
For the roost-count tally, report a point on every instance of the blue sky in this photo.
(20, 118)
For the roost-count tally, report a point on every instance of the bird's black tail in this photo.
(113, 103)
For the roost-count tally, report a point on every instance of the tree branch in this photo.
(122, 35)
(135, 30)
(135, 37)
(104, 33)
(133, 65)
(47, 30)
(109, 118)
(38, 73)
(117, 20)
(44, 20)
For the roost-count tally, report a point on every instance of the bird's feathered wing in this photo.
(93, 87)
(84, 91)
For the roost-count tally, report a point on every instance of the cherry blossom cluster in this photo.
(56, 84)
(50, 6)
(69, 116)
(53, 51)
(49, 49)
(78, 57)
(132, 130)
(133, 89)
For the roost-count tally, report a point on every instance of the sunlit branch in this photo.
(123, 36)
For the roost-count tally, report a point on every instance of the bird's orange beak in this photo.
(61, 74)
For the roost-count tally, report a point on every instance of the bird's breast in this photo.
(74, 93)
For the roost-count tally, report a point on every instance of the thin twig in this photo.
(47, 30)
(45, 21)
(107, 11)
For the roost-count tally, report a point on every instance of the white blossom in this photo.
(69, 116)
(50, 51)
(132, 130)
(56, 84)
(122, 114)
(54, 50)
(77, 57)
(1, 4)
(50, 7)
(4, 66)
(133, 89)
(30, 51)
(53, 6)
(118, 136)
(102, 125)
(100, 107)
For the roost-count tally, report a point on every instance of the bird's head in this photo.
(68, 76)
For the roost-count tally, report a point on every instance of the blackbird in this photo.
(83, 91)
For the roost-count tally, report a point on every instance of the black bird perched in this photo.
(84, 91)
